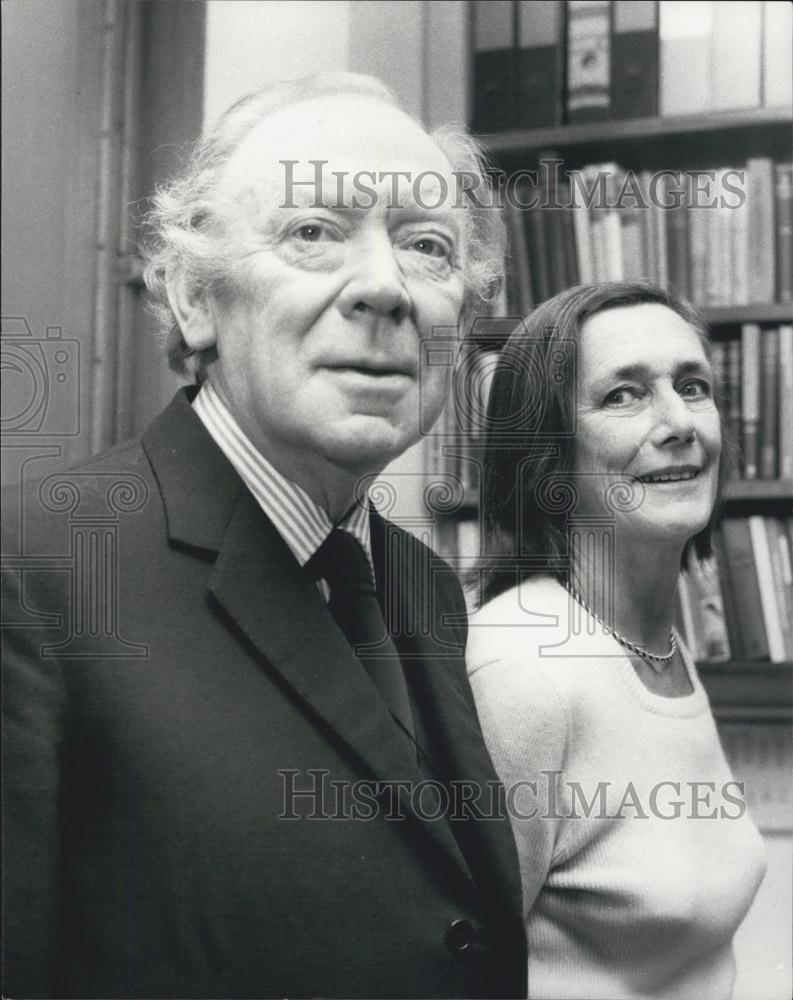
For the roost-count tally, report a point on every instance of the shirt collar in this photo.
(301, 522)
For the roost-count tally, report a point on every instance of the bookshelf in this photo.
(741, 688)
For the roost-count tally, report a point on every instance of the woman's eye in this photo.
(695, 388)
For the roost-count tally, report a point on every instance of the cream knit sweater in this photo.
(633, 887)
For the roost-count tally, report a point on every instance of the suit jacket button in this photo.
(460, 935)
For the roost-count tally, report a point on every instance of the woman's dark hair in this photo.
(529, 435)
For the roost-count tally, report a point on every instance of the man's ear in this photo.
(192, 310)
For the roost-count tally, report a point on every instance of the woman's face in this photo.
(645, 412)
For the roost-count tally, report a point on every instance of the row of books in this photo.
(719, 238)
(756, 371)
(738, 606)
(539, 64)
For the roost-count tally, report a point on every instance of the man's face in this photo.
(318, 331)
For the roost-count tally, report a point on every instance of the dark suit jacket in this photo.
(149, 849)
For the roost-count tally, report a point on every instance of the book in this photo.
(735, 55)
(777, 87)
(786, 401)
(760, 246)
(729, 598)
(583, 238)
(769, 403)
(494, 66)
(769, 604)
(747, 606)
(734, 401)
(685, 59)
(783, 212)
(634, 59)
(572, 274)
(679, 274)
(539, 63)
(588, 60)
(782, 570)
(533, 229)
(750, 399)
(520, 298)
(698, 253)
(554, 231)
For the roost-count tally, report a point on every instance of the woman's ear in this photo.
(192, 310)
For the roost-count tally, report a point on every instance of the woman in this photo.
(601, 478)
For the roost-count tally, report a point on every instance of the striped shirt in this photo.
(302, 523)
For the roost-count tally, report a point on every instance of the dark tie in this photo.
(342, 563)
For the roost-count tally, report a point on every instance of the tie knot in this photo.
(342, 562)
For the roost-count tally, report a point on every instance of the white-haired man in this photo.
(249, 808)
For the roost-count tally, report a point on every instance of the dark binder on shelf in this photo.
(588, 60)
(634, 59)
(494, 65)
(540, 63)
(769, 404)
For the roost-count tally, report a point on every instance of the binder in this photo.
(735, 55)
(540, 63)
(634, 59)
(588, 60)
(777, 89)
(494, 66)
(685, 55)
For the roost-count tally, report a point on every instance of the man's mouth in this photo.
(674, 474)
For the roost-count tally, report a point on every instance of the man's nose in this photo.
(376, 284)
(674, 422)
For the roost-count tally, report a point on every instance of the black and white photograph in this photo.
(397, 508)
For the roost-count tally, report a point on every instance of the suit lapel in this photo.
(261, 588)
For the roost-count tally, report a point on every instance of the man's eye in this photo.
(622, 396)
(313, 232)
(431, 247)
(695, 388)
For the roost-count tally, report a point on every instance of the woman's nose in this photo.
(674, 421)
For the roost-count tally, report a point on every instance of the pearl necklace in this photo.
(650, 658)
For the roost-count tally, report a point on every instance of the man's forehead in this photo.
(351, 138)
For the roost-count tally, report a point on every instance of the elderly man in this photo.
(248, 785)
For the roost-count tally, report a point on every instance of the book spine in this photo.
(750, 398)
(735, 55)
(786, 401)
(735, 401)
(677, 245)
(698, 253)
(760, 206)
(583, 235)
(783, 580)
(568, 230)
(783, 204)
(685, 61)
(535, 241)
(494, 66)
(745, 587)
(520, 296)
(539, 63)
(588, 60)
(731, 611)
(768, 598)
(634, 63)
(769, 386)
